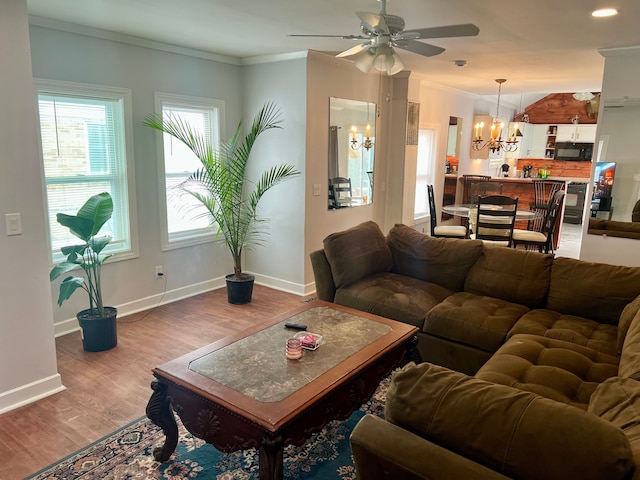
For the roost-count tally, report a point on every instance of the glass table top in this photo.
(257, 367)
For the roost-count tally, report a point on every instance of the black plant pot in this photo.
(98, 333)
(239, 290)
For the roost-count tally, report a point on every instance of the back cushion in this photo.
(519, 434)
(443, 261)
(593, 290)
(630, 356)
(356, 253)
(626, 317)
(617, 400)
(513, 275)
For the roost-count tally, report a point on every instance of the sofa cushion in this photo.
(444, 261)
(581, 331)
(516, 433)
(630, 356)
(555, 369)
(624, 323)
(356, 253)
(592, 290)
(617, 400)
(513, 275)
(394, 296)
(474, 320)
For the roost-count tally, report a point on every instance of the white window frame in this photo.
(128, 248)
(217, 109)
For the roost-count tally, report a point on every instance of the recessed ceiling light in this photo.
(605, 12)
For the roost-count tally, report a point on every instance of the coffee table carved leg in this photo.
(271, 459)
(159, 412)
(413, 355)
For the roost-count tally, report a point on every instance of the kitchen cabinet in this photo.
(538, 145)
(576, 133)
(550, 148)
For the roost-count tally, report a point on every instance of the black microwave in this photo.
(573, 151)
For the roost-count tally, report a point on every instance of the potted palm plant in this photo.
(97, 323)
(221, 185)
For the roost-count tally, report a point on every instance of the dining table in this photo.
(464, 209)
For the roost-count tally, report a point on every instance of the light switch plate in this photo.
(14, 223)
(316, 189)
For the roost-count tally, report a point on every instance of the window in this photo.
(185, 221)
(424, 171)
(83, 132)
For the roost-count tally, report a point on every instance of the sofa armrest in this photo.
(382, 450)
(516, 433)
(325, 288)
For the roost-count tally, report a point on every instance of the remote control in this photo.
(296, 326)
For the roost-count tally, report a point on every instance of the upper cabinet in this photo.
(576, 133)
(538, 140)
(536, 145)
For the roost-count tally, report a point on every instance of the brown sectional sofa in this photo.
(613, 228)
(556, 386)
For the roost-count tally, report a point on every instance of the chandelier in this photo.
(495, 143)
(367, 143)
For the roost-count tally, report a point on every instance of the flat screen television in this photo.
(603, 179)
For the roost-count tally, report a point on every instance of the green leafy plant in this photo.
(88, 255)
(221, 184)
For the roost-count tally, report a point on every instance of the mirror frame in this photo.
(352, 138)
(617, 143)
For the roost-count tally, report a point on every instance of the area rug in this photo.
(127, 454)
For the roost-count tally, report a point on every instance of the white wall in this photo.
(335, 77)
(130, 285)
(437, 104)
(279, 261)
(27, 350)
(621, 73)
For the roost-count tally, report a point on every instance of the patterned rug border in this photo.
(126, 454)
(84, 449)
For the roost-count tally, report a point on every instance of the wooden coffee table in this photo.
(242, 392)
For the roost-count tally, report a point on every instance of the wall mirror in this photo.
(451, 163)
(616, 183)
(352, 139)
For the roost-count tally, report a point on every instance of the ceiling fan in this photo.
(382, 32)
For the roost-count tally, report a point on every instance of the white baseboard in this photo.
(71, 325)
(25, 394)
(278, 284)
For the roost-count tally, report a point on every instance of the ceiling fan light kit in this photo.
(383, 32)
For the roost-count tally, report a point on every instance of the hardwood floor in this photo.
(108, 390)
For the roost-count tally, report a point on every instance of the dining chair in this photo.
(543, 191)
(494, 219)
(478, 189)
(443, 231)
(542, 239)
(467, 180)
(339, 192)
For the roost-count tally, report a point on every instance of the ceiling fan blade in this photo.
(354, 50)
(373, 22)
(424, 49)
(462, 30)
(345, 37)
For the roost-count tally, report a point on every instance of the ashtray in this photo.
(309, 340)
